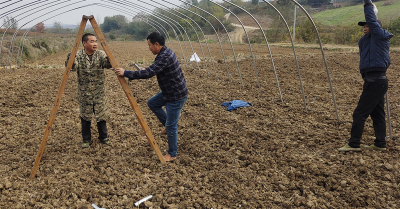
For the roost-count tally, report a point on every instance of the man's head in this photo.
(89, 42)
(155, 41)
(366, 27)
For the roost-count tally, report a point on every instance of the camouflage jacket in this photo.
(91, 84)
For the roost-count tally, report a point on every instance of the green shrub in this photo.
(348, 35)
(112, 36)
(307, 32)
(25, 50)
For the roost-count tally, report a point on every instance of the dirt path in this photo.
(269, 155)
(249, 25)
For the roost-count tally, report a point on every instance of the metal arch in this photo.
(265, 37)
(323, 55)
(294, 52)
(26, 33)
(129, 13)
(38, 17)
(234, 55)
(12, 43)
(205, 39)
(141, 9)
(16, 32)
(5, 1)
(163, 30)
(159, 14)
(219, 41)
(248, 40)
(177, 36)
(10, 4)
(21, 47)
(1, 44)
(201, 48)
(21, 7)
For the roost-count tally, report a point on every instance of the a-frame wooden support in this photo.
(121, 80)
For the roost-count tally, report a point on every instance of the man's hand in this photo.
(119, 71)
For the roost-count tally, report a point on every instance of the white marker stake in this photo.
(143, 200)
(95, 207)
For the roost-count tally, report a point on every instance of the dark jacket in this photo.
(169, 75)
(374, 46)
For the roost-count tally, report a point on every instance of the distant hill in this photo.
(354, 14)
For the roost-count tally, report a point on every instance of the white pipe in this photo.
(95, 207)
(143, 200)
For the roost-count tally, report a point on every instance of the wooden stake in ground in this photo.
(122, 81)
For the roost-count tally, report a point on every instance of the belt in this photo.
(373, 79)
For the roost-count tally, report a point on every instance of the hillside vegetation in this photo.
(353, 14)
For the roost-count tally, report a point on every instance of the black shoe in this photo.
(86, 144)
(105, 141)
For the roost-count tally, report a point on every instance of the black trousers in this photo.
(371, 103)
(86, 134)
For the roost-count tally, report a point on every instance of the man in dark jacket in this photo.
(374, 61)
(173, 94)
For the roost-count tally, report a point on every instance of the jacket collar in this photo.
(87, 56)
(162, 49)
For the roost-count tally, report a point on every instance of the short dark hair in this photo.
(156, 37)
(85, 37)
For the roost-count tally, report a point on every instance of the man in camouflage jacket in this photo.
(89, 64)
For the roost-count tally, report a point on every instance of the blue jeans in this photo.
(169, 119)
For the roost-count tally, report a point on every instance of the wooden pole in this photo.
(128, 93)
(59, 97)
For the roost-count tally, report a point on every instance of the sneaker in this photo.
(347, 148)
(373, 147)
(105, 141)
(85, 144)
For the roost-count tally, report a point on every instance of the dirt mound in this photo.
(271, 155)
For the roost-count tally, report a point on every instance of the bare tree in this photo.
(10, 21)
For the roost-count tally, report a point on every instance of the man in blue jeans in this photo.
(374, 61)
(173, 94)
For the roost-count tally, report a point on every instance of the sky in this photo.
(59, 10)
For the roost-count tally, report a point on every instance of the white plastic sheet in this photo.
(194, 57)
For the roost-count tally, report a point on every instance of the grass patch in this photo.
(354, 14)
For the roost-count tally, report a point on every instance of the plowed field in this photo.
(273, 154)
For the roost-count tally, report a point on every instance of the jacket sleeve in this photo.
(374, 27)
(159, 65)
(370, 18)
(73, 68)
(106, 62)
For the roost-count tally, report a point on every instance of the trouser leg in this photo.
(155, 104)
(379, 122)
(171, 125)
(372, 94)
(102, 128)
(86, 134)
